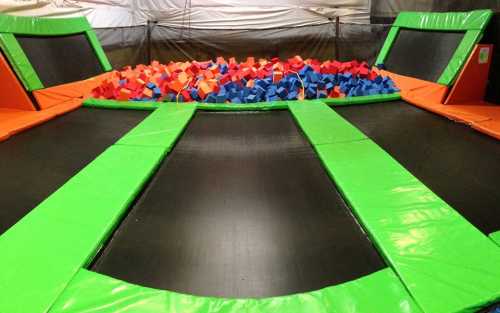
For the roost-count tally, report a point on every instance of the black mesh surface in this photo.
(459, 164)
(242, 207)
(61, 59)
(35, 163)
(422, 54)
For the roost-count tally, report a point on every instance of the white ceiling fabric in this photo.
(201, 14)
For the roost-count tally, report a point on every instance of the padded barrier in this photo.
(320, 126)
(264, 106)
(75, 220)
(39, 26)
(119, 105)
(274, 105)
(99, 51)
(446, 263)
(162, 128)
(92, 292)
(361, 99)
(473, 23)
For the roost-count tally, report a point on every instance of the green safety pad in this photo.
(361, 99)
(473, 23)
(151, 105)
(460, 56)
(260, 106)
(386, 47)
(445, 262)
(121, 105)
(162, 127)
(321, 125)
(19, 61)
(45, 249)
(495, 237)
(445, 21)
(377, 292)
(101, 55)
(42, 26)
(264, 106)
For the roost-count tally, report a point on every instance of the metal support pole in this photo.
(337, 37)
(149, 29)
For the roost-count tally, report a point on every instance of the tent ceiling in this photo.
(202, 14)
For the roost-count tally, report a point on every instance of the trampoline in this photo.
(37, 162)
(291, 206)
(266, 221)
(427, 64)
(61, 59)
(459, 165)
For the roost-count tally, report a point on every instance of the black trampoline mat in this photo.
(422, 54)
(460, 165)
(241, 208)
(61, 59)
(35, 163)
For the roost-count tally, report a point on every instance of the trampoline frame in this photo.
(348, 156)
(473, 23)
(33, 26)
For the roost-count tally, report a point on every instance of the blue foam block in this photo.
(282, 92)
(156, 92)
(251, 98)
(304, 70)
(194, 94)
(329, 86)
(211, 98)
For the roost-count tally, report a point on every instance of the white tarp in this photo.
(200, 14)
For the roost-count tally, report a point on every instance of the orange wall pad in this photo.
(13, 94)
(56, 95)
(471, 82)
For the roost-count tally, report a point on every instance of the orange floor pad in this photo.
(14, 121)
(54, 96)
(415, 88)
(480, 115)
(52, 101)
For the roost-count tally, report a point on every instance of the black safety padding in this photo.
(35, 163)
(242, 207)
(422, 54)
(458, 163)
(61, 59)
